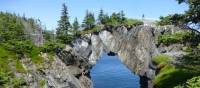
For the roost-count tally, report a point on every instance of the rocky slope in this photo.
(70, 67)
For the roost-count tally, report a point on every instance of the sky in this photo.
(49, 11)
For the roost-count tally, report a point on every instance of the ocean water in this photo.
(109, 72)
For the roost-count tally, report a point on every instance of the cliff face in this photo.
(135, 48)
(65, 70)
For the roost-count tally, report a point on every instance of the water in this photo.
(109, 72)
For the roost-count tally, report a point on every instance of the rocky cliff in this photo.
(134, 46)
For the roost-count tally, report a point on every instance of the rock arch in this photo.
(135, 48)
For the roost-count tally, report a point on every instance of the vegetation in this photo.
(89, 20)
(189, 19)
(170, 75)
(179, 37)
(175, 19)
(16, 43)
(64, 27)
(133, 22)
(191, 83)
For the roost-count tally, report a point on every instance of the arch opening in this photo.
(110, 72)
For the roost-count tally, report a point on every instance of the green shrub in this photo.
(187, 49)
(19, 67)
(179, 37)
(42, 83)
(133, 22)
(161, 59)
(198, 46)
(49, 47)
(170, 75)
(191, 83)
(34, 55)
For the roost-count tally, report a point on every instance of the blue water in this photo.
(109, 72)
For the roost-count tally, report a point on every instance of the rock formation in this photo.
(70, 67)
(135, 47)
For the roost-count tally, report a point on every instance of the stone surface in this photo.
(135, 47)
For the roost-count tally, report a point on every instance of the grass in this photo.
(161, 59)
(34, 55)
(19, 67)
(170, 75)
(42, 83)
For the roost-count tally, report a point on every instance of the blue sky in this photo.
(48, 11)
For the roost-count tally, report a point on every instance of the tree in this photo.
(63, 25)
(76, 24)
(115, 19)
(190, 18)
(122, 17)
(193, 13)
(89, 20)
(101, 16)
(76, 27)
(174, 19)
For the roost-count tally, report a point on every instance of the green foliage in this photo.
(89, 20)
(50, 47)
(63, 26)
(76, 27)
(175, 19)
(193, 13)
(179, 37)
(191, 16)
(42, 83)
(133, 22)
(170, 75)
(161, 59)
(95, 29)
(18, 82)
(191, 83)
(34, 55)
(198, 46)
(19, 67)
(187, 49)
(48, 35)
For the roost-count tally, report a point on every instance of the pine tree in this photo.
(101, 17)
(89, 20)
(76, 27)
(122, 17)
(63, 25)
(76, 24)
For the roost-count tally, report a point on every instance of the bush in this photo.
(179, 37)
(170, 75)
(191, 83)
(133, 22)
(161, 59)
(198, 46)
(50, 47)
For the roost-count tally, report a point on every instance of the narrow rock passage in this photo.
(109, 72)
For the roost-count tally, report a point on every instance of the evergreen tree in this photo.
(101, 17)
(76, 27)
(76, 24)
(89, 20)
(115, 19)
(122, 17)
(63, 26)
